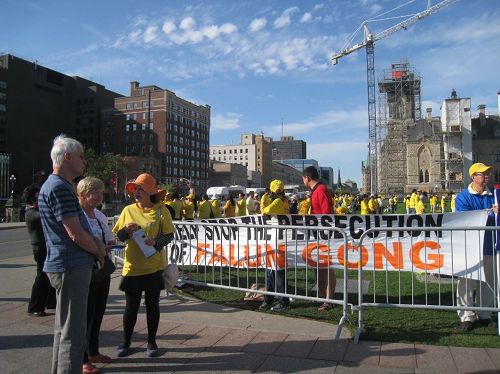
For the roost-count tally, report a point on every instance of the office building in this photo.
(287, 148)
(36, 105)
(155, 124)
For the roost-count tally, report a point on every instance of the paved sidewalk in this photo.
(200, 337)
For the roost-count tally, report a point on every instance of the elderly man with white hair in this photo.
(71, 253)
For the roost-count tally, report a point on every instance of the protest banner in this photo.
(457, 253)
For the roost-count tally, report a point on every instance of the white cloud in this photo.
(306, 17)
(318, 6)
(227, 121)
(150, 34)
(187, 23)
(375, 8)
(168, 27)
(257, 24)
(285, 18)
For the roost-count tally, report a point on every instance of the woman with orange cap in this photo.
(140, 273)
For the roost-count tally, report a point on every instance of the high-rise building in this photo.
(288, 148)
(254, 152)
(36, 105)
(154, 123)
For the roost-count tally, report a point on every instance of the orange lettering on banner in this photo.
(233, 261)
(352, 265)
(395, 260)
(252, 263)
(323, 260)
(437, 259)
(218, 255)
(201, 254)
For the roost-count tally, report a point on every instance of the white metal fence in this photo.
(220, 255)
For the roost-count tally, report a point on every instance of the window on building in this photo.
(134, 116)
(135, 105)
(134, 127)
(3, 84)
(143, 126)
(497, 157)
(127, 117)
(151, 125)
(144, 104)
(151, 114)
(127, 106)
(127, 128)
(144, 115)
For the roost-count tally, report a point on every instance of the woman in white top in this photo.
(90, 193)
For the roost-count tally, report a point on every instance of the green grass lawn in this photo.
(390, 325)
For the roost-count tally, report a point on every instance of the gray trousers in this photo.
(471, 292)
(70, 325)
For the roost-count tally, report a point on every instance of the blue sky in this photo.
(260, 63)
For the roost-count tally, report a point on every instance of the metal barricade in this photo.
(441, 294)
(221, 255)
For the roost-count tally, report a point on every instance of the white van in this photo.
(222, 193)
(256, 190)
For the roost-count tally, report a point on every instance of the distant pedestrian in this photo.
(71, 253)
(43, 294)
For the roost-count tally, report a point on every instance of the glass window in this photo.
(144, 115)
(151, 114)
(151, 125)
(134, 116)
(144, 104)
(135, 105)
(144, 126)
(127, 117)
(127, 128)
(134, 126)
(127, 106)
(3, 84)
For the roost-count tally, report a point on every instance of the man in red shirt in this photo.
(321, 203)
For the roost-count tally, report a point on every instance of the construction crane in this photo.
(368, 43)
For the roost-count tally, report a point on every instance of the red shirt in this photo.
(321, 200)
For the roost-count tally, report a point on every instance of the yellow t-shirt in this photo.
(420, 207)
(229, 209)
(364, 207)
(277, 206)
(204, 209)
(188, 208)
(241, 206)
(135, 263)
(264, 201)
(215, 206)
(305, 206)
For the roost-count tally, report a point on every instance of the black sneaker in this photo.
(37, 314)
(466, 326)
(264, 306)
(279, 307)
(123, 350)
(152, 350)
(487, 323)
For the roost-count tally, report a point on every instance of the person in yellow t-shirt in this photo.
(241, 205)
(188, 208)
(140, 273)
(452, 202)
(265, 200)
(443, 203)
(204, 208)
(420, 207)
(305, 205)
(275, 279)
(364, 205)
(433, 203)
(215, 206)
(342, 210)
(229, 207)
(373, 205)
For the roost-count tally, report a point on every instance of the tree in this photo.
(106, 167)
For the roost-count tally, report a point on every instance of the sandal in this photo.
(101, 359)
(325, 306)
(90, 369)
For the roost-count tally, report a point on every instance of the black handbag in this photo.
(108, 267)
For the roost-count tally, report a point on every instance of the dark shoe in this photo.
(37, 314)
(279, 307)
(152, 350)
(487, 323)
(264, 306)
(466, 326)
(123, 350)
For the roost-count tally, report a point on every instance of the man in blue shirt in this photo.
(71, 252)
(472, 292)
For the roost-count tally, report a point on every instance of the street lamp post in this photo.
(12, 184)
